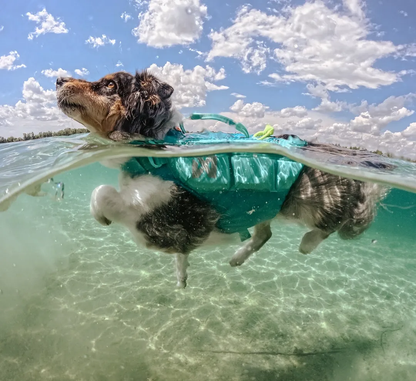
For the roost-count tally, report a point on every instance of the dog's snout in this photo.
(61, 80)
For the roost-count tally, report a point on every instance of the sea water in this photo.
(79, 301)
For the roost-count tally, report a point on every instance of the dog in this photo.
(163, 215)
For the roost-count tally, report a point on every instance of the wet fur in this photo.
(179, 225)
(120, 105)
(165, 217)
(327, 203)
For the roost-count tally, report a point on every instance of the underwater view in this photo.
(80, 301)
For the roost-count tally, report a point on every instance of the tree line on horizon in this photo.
(41, 135)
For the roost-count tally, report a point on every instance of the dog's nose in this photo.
(61, 80)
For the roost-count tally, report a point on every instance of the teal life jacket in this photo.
(245, 188)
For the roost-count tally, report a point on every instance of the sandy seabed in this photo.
(81, 302)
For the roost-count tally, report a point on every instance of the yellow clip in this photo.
(267, 132)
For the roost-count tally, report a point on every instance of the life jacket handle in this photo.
(221, 118)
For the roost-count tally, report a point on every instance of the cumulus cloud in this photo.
(167, 23)
(96, 42)
(119, 64)
(308, 124)
(82, 72)
(409, 132)
(33, 92)
(328, 106)
(374, 118)
(298, 111)
(7, 62)
(46, 24)
(191, 86)
(56, 73)
(355, 7)
(213, 87)
(237, 95)
(36, 111)
(254, 59)
(397, 143)
(319, 91)
(317, 44)
(253, 110)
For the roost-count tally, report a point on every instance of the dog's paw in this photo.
(304, 250)
(181, 283)
(103, 220)
(311, 240)
(234, 262)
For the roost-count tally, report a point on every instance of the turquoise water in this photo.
(80, 301)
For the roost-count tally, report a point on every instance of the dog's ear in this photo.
(148, 107)
(164, 91)
(151, 85)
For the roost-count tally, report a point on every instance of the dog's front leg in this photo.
(181, 266)
(262, 234)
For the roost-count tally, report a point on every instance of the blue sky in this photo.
(340, 71)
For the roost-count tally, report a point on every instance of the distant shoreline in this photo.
(41, 135)
(74, 131)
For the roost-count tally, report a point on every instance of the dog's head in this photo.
(118, 103)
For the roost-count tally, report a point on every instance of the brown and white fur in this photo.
(163, 216)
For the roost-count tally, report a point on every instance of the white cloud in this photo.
(213, 87)
(405, 14)
(125, 16)
(319, 91)
(328, 106)
(410, 132)
(317, 44)
(99, 41)
(298, 111)
(47, 24)
(56, 73)
(119, 64)
(36, 111)
(7, 62)
(374, 118)
(82, 72)
(1, 28)
(174, 22)
(409, 50)
(308, 124)
(397, 143)
(253, 110)
(238, 95)
(215, 76)
(33, 92)
(355, 7)
(254, 59)
(191, 86)
(198, 52)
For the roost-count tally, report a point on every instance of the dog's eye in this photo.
(111, 85)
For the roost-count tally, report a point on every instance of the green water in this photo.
(80, 301)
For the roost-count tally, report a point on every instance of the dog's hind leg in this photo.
(311, 240)
(262, 234)
(181, 266)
